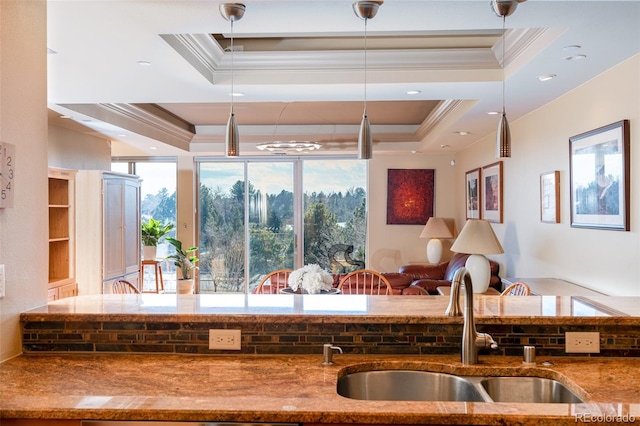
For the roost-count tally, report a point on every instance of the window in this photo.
(158, 200)
(286, 212)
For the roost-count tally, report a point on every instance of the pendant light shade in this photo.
(232, 12)
(365, 139)
(504, 7)
(365, 10)
(232, 139)
(503, 138)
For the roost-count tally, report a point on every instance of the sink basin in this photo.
(407, 385)
(528, 389)
(414, 385)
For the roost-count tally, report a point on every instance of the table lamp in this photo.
(435, 229)
(477, 239)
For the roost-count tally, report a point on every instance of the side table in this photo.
(158, 274)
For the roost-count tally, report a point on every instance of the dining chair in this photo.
(273, 282)
(123, 287)
(365, 281)
(517, 289)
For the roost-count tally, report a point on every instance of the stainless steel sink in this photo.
(528, 389)
(413, 385)
(407, 385)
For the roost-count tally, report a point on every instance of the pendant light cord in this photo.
(504, 41)
(365, 65)
(231, 47)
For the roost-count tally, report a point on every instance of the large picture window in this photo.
(259, 216)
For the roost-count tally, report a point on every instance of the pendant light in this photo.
(365, 10)
(503, 8)
(232, 12)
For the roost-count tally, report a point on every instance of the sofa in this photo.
(425, 279)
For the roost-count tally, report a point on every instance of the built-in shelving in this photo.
(62, 282)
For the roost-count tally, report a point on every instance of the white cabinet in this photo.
(108, 228)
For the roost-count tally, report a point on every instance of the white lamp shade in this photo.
(434, 250)
(477, 237)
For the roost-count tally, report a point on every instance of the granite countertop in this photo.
(292, 388)
(259, 308)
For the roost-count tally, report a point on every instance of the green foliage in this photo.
(153, 230)
(183, 259)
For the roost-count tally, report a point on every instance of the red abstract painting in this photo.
(410, 195)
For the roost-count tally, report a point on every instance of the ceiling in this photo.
(155, 76)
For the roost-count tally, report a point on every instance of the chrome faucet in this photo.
(327, 353)
(472, 341)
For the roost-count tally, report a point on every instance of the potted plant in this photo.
(185, 260)
(152, 231)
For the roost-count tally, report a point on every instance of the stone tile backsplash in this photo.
(300, 338)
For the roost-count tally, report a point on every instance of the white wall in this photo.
(391, 246)
(78, 151)
(23, 122)
(604, 260)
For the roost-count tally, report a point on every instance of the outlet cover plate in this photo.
(582, 342)
(224, 339)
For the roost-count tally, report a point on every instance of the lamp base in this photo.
(434, 250)
(480, 272)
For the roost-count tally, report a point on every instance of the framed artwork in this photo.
(410, 196)
(550, 197)
(472, 193)
(491, 187)
(599, 171)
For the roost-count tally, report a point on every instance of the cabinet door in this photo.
(113, 235)
(131, 230)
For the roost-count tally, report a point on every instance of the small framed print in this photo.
(472, 193)
(492, 192)
(599, 162)
(550, 197)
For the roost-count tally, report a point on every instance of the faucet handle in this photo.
(327, 353)
(485, 341)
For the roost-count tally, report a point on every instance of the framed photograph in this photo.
(599, 175)
(410, 196)
(491, 209)
(550, 197)
(472, 193)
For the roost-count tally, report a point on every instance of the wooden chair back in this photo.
(365, 281)
(517, 289)
(273, 282)
(124, 287)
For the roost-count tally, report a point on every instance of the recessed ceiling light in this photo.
(65, 117)
(236, 94)
(462, 133)
(413, 92)
(575, 57)
(122, 136)
(444, 146)
(144, 63)
(546, 77)
(572, 47)
(153, 147)
(494, 113)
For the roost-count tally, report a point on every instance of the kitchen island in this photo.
(291, 388)
(84, 358)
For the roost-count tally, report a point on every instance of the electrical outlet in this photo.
(225, 339)
(582, 343)
(2, 281)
